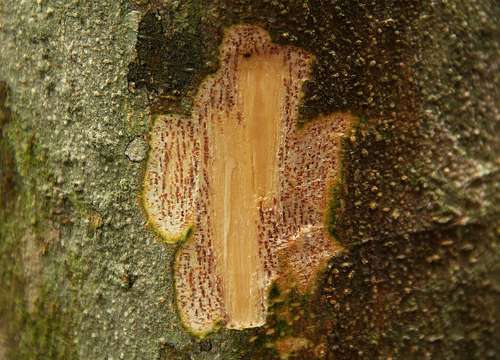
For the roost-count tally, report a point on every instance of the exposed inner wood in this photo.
(245, 177)
(250, 184)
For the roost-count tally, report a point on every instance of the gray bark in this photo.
(81, 275)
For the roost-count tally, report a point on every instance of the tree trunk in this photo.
(249, 179)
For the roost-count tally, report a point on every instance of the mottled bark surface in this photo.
(416, 209)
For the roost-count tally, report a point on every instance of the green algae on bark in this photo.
(35, 323)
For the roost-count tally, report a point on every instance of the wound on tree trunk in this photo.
(243, 185)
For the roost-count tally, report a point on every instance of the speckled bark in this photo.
(417, 206)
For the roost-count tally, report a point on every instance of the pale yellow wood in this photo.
(245, 173)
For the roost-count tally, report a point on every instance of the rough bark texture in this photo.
(417, 208)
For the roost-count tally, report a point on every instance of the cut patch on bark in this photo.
(243, 185)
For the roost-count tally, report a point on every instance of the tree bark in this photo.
(414, 206)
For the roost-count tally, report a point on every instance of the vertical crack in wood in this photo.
(244, 185)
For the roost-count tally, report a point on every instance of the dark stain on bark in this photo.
(359, 49)
(413, 296)
(8, 172)
(169, 61)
